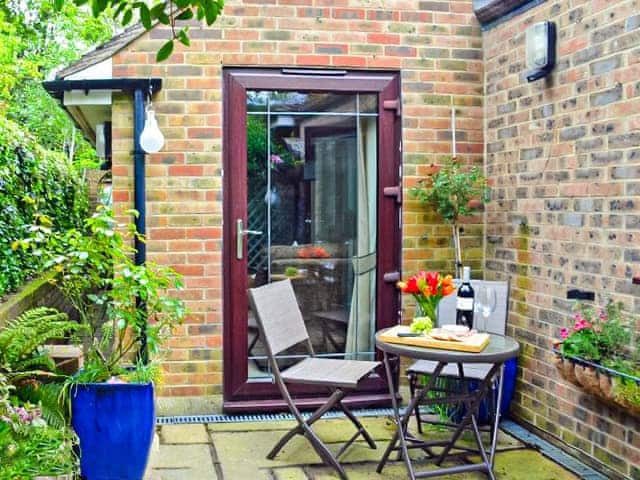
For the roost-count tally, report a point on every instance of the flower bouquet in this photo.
(428, 288)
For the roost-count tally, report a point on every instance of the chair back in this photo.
(278, 316)
(496, 323)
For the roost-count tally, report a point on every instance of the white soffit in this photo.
(99, 71)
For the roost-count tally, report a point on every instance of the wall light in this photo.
(541, 50)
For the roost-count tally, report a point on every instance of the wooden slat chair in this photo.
(496, 323)
(282, 326)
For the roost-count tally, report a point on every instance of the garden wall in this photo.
(35, 293)
(564, 157)
(436, 45)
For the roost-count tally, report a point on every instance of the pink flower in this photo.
(581, 324)
(564, 333)
(276, 160)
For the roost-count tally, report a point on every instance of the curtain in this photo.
(361, 326)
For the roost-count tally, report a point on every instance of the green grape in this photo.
(421, 325)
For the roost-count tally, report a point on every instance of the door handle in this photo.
(240, 233)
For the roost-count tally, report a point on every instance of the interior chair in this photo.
(282, 327)
(496, 323)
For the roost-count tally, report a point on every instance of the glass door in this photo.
(309, 212)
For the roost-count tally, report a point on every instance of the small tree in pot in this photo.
(125, 312)
(453, 193)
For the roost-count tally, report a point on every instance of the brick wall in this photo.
(564, 156)
(435, 44)
(35, 293)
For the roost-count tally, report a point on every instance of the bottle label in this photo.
(464, 303)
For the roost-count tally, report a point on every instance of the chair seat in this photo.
(328, 371)
(474, 371)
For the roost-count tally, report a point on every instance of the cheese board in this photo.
(474, 343)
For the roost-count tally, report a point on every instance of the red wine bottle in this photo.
(464, 302)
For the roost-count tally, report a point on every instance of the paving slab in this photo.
(295, 473)
(184, 434)
(237, 451)
(188, 462)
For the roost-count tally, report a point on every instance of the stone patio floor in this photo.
(237, 451)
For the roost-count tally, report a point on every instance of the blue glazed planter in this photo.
(115, 425)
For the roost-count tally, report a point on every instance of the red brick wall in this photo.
(564, 155)
(434, 44)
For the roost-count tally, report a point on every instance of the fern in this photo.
(22, 339)
(47, 396)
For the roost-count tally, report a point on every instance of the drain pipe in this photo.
(138, 87)
(140, 205)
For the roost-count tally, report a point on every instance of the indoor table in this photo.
(497, 352)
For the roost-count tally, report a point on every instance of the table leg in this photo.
(496, 421)
(401, 422)
(474, 404)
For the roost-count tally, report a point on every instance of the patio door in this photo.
(308, 158)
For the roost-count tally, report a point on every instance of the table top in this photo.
(500, 349)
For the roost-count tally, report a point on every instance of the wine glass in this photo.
(485, 305)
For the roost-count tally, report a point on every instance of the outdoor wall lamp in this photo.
(541, 50)
(151, 138)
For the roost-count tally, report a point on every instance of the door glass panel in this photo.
(312, 180)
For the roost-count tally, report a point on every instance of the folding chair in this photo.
(282, 326)
(497, 323)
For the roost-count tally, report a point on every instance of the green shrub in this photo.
(32, 180)
(29, 446)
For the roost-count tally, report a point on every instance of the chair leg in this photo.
(358, 425)
(413, 380)
(326, 455)
(300, 428)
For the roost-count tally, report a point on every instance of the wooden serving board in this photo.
(474, 344)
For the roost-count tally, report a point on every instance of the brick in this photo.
(605, 66)
(606, 97)
(624, 141)
(442, 6)
(573, 133)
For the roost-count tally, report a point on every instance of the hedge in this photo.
(33, 180)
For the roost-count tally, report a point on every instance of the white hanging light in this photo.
(151, 138)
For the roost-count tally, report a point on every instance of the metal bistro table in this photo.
(499, 350)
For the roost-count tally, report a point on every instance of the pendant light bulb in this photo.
(151, 138)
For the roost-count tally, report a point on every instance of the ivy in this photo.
(33, 181)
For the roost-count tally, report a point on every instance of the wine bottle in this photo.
(464, 302)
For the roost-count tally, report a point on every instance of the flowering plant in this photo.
(599, 335)
(428, 288)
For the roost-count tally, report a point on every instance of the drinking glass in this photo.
(485, 303)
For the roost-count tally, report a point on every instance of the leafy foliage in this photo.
(32, 180)
(39, 114)
(450, 190)
(36, 37)
(597, 335)
(172, 13)
(117, 301)
(22, 354)
(30, 447)
(453, 193)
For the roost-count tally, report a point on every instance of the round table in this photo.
(497, 352)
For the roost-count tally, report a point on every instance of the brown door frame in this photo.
(239, 395)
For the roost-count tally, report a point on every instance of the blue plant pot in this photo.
(115, 425)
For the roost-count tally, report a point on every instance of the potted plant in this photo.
(595, 355)
(454, 193)
(125, 313)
